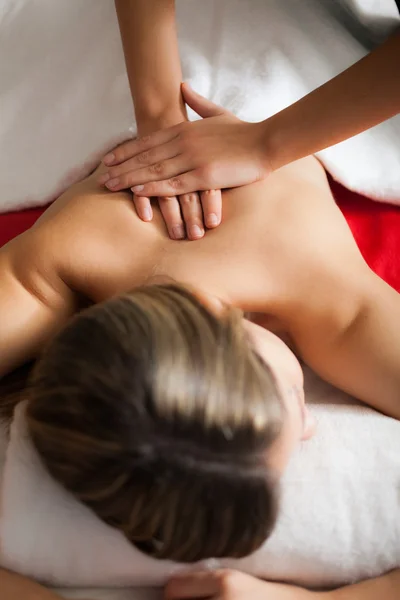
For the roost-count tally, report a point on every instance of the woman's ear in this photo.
(211, 302)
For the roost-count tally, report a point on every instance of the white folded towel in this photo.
(64, 96)
(339, 520)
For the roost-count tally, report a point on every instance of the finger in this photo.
(143, 207)
(163, 170)
(131, 148)
(175, 186)
(171, 211)
(192, 215)
(197, 585)
(211, 202)
(144, 159)
(202, 106)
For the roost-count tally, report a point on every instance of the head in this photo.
(171, 420)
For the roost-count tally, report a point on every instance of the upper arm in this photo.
(343, 319)
(354, 343)
(31, 308)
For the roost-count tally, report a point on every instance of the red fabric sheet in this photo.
(12, 224)
(375, 226)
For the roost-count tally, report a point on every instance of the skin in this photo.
(285, 254)
(295, 262)
(231, 585)
(15, 586)
(222, 152)
(155, 74)
(111, 252)
(299, 424)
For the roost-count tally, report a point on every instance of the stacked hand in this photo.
(185, 215)
(216, 152)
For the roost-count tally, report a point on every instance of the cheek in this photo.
(310, 425)
(296, 372)
(277, 355)
(283, 448)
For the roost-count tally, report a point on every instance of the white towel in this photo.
(64, 97)
(339, 520)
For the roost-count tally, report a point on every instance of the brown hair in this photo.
(157, 414)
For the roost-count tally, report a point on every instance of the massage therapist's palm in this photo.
(187, 215)
(216, 152)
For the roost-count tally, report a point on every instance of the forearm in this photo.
(387, 587)
(361, 97)
(150, 43)
(15, 587)
(361, 355)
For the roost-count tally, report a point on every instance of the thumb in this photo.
(203, 107)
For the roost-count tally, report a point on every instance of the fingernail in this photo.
(211, 220)
(196, 231)
(178, 232)
(104, 178)
(137, 188)
(109, 158)
(113, 182)
(147, 214)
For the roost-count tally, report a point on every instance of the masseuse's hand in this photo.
(216, 152)
(185, 215)
(231, 585)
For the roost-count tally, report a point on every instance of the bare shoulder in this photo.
(28, 261)
(94, 241)
(342, 318)
(88, 207)
(328, 279)
(307, 247)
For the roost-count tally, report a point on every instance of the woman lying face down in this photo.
(162, 409)
(172, 419)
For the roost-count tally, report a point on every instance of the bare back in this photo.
(283, 250)
(274, 237)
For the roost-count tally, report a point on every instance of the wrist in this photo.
(149, 122)
(288, 135)
(275, 149)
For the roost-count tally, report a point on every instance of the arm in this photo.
(387, 587)
(15, 586)
(352, 338)
(232, 585)
(150, 43)
(32, 309)
(361, 97)
(222, 151)
(149, 37)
